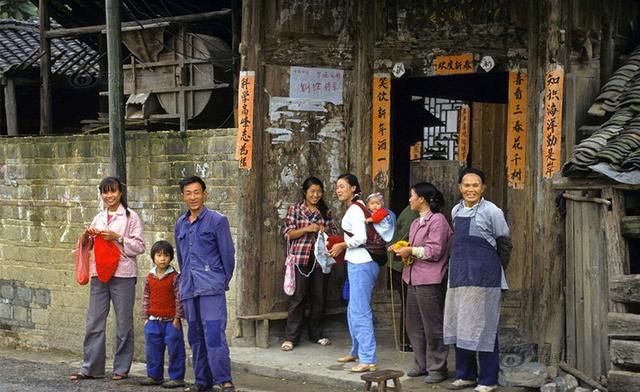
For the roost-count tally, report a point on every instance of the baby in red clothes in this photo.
(383, 219)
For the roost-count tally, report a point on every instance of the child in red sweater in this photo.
(161, 312)
(383, 219)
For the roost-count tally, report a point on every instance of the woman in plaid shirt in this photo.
(301, 225)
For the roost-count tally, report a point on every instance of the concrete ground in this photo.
(309, 368)
(316, 364)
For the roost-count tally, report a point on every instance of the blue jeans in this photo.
(362, 279)
(159, 334)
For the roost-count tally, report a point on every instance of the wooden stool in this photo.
(381, 377)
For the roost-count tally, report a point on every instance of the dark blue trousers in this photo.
(207, 318)
(467, 367)
(159, 334)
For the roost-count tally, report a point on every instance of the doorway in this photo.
(426, 110)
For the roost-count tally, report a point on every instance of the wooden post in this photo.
(182, 95)
(10, 107)
(359, 159)
(617, 254)
(46, 123)
(250, 227)
(116, 92)
(607, 44)
(545, 307)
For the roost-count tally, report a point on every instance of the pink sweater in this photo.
(130, 227)
(433, 233)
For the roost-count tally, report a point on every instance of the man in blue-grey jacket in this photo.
(206, 258)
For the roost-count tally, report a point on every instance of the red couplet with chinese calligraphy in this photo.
(415, 151)
(381, 132)
(244, 139)
(517, 128)
(552, 126)
(454, 64)
(464, 118)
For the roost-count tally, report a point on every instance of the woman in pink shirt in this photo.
(429, 238)
(114, 281)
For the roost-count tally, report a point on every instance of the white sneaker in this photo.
(461, 384)
(485, 388)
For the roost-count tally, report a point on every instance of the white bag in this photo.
(322, 254)
(289, 272)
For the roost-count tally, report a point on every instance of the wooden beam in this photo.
(625, 353)
(579, 184)
(75, 31)
(117, 152)
(630, 226)
(10, 107)
(582, 377)
(46, 123)
(621, 381)
(617, 253)
(624, 326)
(625, 288)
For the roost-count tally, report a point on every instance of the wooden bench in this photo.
(262, 323)
(381, 377)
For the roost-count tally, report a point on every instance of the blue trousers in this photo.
(467, 367)
(362, 279)
(207, 320)
(158, 335)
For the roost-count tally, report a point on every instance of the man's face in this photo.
(471, 188)
(193, 196)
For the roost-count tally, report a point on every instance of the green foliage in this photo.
(17, 9)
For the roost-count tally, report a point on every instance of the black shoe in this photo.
(416, 373)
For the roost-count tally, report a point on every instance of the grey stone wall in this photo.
(48, 195)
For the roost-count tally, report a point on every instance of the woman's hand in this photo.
(110, 235)
(176, 323)
(403, 252)
(314, 228)
(145, 322)
(338, 248)
(88, 232)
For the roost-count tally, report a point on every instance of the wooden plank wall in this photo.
(287, 162)
(586, 289)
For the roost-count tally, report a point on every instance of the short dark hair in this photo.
(472, 170)
(192, 180)
(162, 246)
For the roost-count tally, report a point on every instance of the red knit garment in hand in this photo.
(336, 239)
(107, 256)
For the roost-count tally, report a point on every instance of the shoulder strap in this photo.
(371, 232)
(364, 209)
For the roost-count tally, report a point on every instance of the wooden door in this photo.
(586, 289)
(301, 139)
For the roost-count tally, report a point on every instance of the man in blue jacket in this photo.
(206, 258)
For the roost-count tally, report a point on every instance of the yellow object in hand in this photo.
(402, 244)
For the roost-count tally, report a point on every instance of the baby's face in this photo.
(374, 204)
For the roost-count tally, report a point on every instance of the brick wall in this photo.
(48, 194)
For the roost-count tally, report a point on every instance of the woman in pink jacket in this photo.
(429, 238)
(113, 281)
